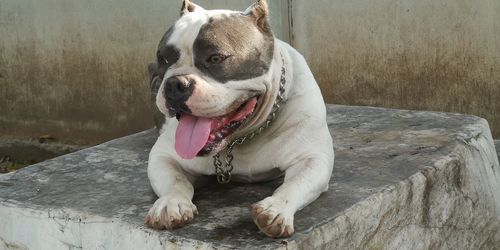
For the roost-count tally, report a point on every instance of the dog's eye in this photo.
(216, 59)
(167, 55)
(163, 60)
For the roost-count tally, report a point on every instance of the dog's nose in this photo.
(177, 90)
(178, 84)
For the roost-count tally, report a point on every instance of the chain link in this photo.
(224, 171)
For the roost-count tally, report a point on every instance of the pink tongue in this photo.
(191, 135)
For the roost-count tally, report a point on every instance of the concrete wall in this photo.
(416, 54)
(76, 70)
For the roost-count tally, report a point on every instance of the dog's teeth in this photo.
(211, 137)
(233, 125)
(218, 135)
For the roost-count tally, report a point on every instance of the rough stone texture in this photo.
(402, 180)
(497, 146)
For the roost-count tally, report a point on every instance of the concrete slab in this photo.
(497, 146)
(402, 180)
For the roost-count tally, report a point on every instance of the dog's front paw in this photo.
(171, 213)
(272, 218)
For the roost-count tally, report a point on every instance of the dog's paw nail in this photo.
(279, 222)
(170, 213)
(256, 209)
(265, 218)
(195, 209)
(273, 222)
(288, 231)
(274, 232)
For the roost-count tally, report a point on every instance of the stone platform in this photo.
(402, 180)
(497, 146)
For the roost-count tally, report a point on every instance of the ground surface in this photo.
(16, 154)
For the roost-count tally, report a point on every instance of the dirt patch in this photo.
(16, 154)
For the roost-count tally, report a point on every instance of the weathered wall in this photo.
(416, 54)
(77, 69)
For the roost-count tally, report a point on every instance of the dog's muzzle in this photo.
(177, 91)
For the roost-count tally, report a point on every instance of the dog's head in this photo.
(214, 71)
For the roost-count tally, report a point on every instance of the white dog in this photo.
(233, 95)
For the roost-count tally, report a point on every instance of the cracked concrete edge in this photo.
(72, 230)
(497, 146)
(454, 204)
(4, 244)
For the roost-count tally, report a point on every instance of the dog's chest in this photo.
(249, 166)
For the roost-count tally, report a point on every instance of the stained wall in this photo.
(76, 70)
(411, 54)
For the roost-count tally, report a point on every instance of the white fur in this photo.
(298, 142)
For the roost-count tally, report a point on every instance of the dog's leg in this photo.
(304, 182)
(174, 208)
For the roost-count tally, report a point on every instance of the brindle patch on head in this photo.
(155, 83)
(166, 55)
(232, 47)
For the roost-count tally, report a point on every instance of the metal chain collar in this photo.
(224, 172)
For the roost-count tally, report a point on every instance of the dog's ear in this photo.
(153, 70)
(188, 6)
(259, 11)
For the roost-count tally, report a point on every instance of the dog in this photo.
(239, 104)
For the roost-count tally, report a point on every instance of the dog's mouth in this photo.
(198, 136)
